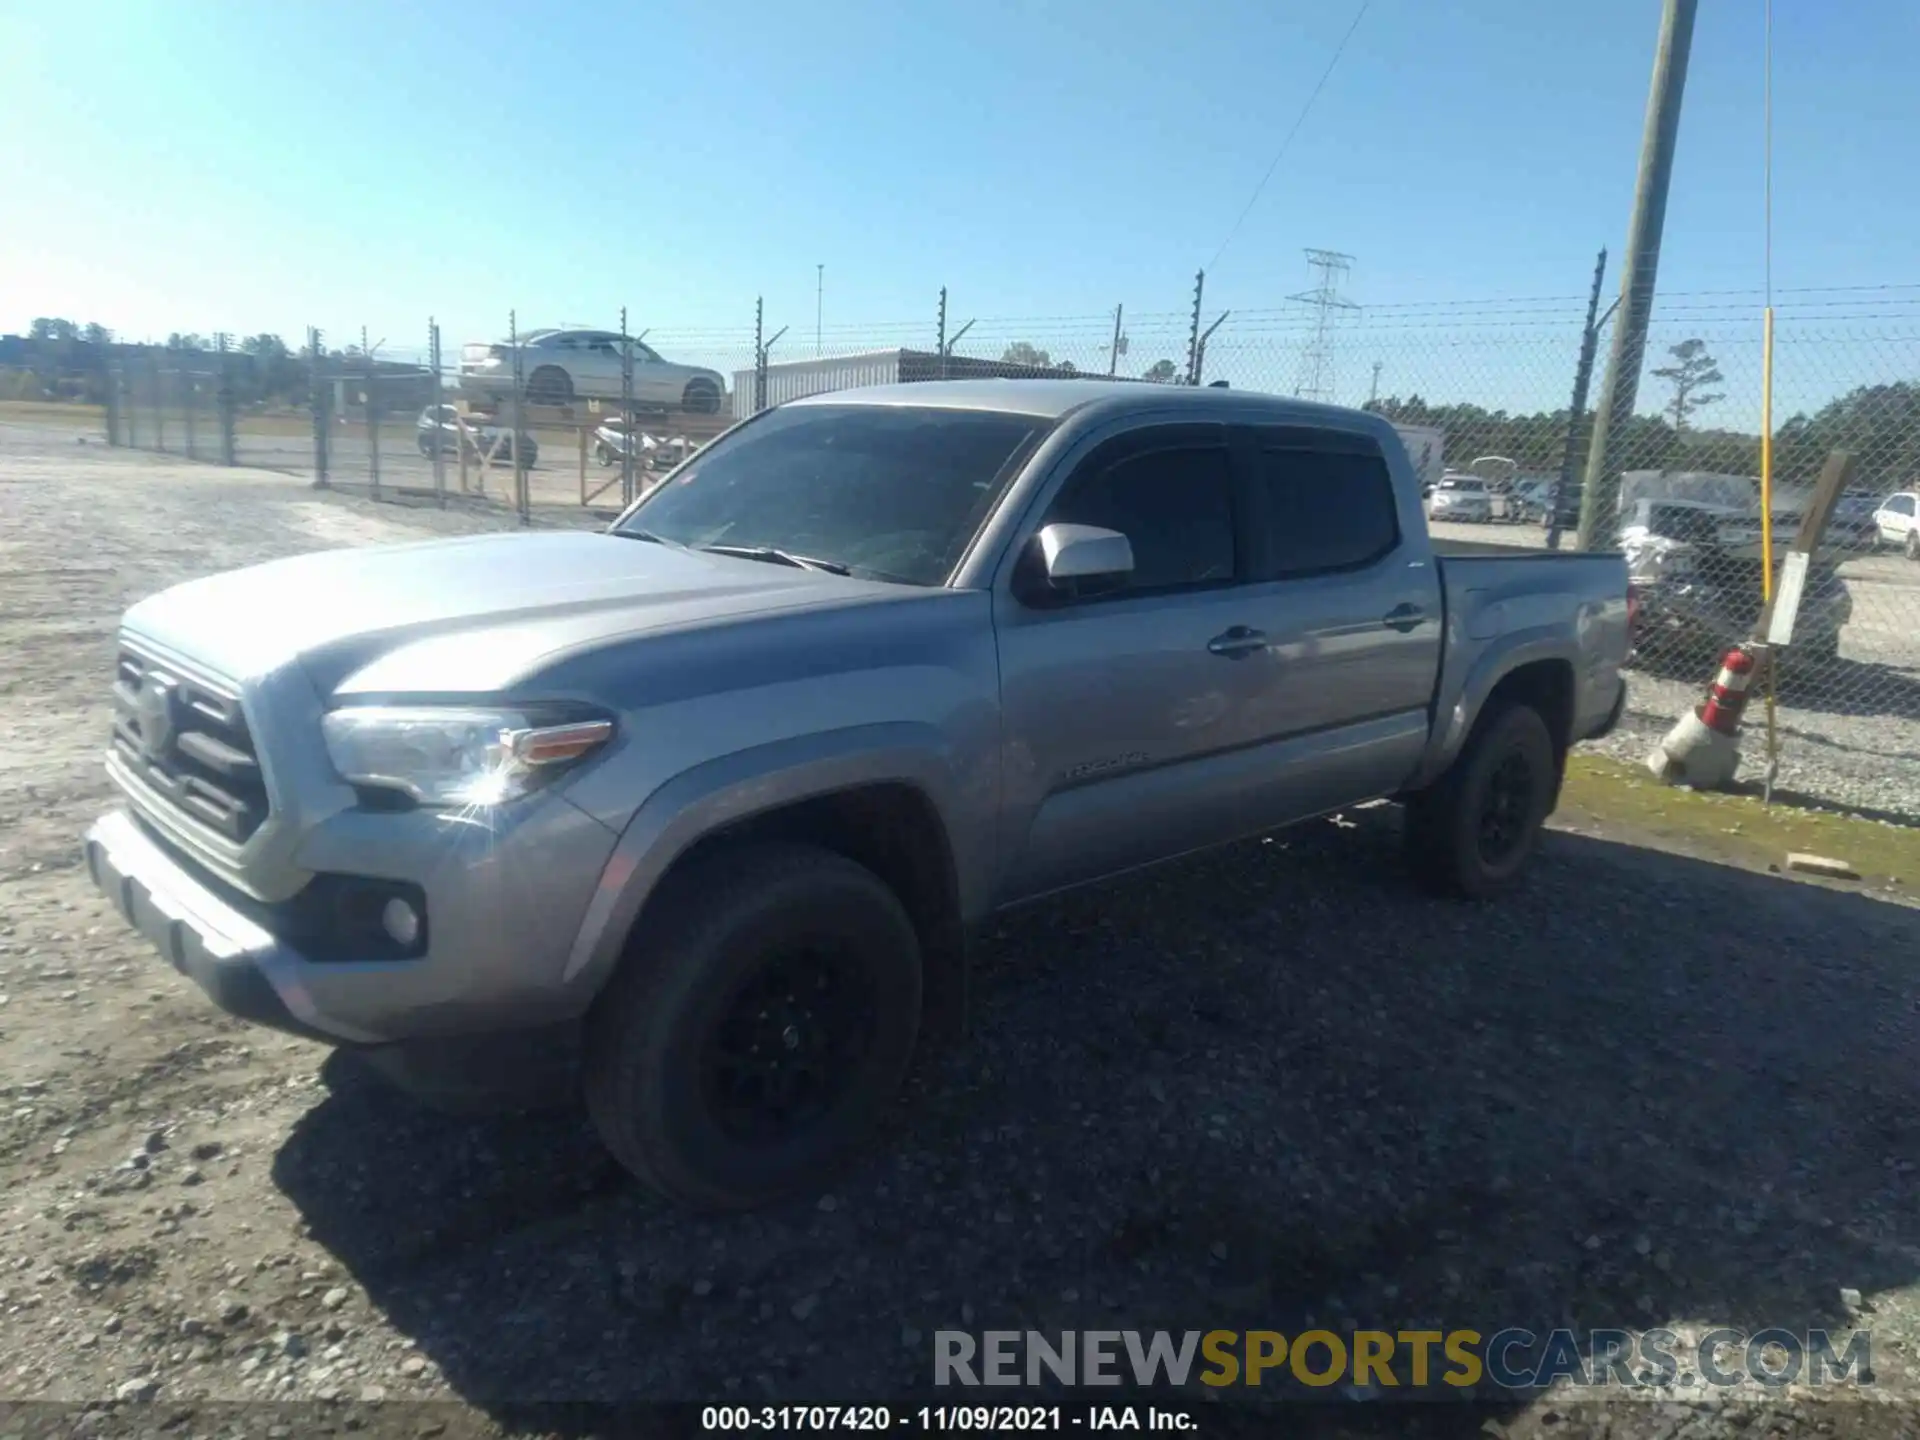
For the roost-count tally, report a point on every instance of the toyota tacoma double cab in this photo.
(695, 815)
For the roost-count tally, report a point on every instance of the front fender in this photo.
(750, 782)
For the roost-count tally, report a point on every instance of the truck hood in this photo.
(467, 614)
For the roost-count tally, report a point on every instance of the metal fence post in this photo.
(127, 404)
(223, 396)
(759, 356)
(159, 403)
(522, 501)
(1193, 334)
(186, 384)
(940, 341)
(1577, 409)
(626, 413)
(439, 424)
(109, 399)
(370, 403)
(317, 398)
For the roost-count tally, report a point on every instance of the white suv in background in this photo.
(1461, 497)
(1898, 521)
(561, 366)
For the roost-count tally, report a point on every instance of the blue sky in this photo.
(243, 165)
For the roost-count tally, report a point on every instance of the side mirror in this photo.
(1083, 559)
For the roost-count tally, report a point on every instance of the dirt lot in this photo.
(1266, 1089)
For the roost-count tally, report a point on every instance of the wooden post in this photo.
(583, 463)
(1827, 490)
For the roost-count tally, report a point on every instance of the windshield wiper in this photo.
(649, 537)
(778, 557)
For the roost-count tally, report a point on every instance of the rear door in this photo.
(1343, 589)
(1124, 714)
(596, 365)
(654, 380)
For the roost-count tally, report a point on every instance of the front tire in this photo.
(761, 1025)
(1472, 833)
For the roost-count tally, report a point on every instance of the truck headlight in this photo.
(453, 757)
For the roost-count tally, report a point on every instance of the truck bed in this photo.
(1490, 550)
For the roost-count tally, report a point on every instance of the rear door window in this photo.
(1324, 507)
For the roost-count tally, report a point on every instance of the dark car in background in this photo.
(444, 428)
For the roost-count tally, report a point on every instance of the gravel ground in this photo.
(1264, 1089)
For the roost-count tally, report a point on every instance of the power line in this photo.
(1285, 144)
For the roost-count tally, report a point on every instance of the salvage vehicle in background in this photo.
(445, 429)
(558, 367)
(1462, 498)
(616, 437)
(1696, 570)
(696, 816)
(1897, 522)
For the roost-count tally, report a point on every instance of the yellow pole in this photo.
(1766, 534)
(1766, 403)
(1766, 455)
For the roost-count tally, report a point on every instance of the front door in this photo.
(1124, 712)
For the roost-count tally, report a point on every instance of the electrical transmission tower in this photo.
(1316, 362)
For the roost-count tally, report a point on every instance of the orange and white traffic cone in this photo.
(1702, 750)
(1727, 696)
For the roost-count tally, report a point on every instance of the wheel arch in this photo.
(887, 810)
(1536, 670)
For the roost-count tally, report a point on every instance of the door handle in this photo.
(1403, 618)
(1237, 641)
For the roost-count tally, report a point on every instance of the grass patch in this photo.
(1735, 827)
(53, 412)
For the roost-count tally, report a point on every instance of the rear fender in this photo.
(1456, 712)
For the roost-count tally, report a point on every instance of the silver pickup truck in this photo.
(696, 815)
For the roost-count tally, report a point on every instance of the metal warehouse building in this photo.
(793, 379)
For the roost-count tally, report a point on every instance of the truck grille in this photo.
(188, 742)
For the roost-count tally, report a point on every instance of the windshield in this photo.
(890, 492)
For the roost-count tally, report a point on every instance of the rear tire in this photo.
(755, 959)
(1472, 833)
(701, 397)
(1912, 544)
(550, 385)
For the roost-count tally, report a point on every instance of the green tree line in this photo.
(1880, 424)
(62, 360)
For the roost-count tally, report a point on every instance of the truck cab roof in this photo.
(1054, 399)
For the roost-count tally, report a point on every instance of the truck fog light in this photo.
(401, 922)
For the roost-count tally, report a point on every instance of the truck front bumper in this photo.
(202, 936)
(502, 896)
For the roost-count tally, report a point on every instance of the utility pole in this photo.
(1373, 390)
(819, 292)
(1600, 494)
(1119, 340)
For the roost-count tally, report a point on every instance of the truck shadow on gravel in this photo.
(1270, 1088)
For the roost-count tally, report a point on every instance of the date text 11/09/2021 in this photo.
(979, 1419)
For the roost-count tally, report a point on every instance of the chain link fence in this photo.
(570, 425)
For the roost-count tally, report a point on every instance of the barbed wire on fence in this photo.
(1482, 386)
